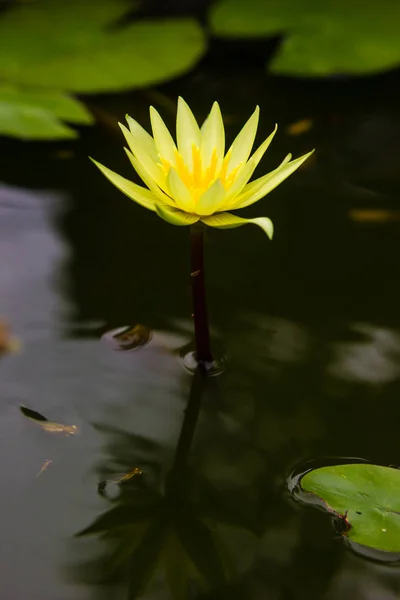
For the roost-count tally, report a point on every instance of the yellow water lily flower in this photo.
(194, 179)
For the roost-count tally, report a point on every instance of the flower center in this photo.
(200, 177)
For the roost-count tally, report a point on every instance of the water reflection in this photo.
(371, 359)
(178, 523)
(294, 389)
(214, 512)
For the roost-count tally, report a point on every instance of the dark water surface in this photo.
(310, 324)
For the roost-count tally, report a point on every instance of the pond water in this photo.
(309, 324)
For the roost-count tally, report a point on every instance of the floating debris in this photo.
(299, 127)
(45, 466)
(59, 428)
(374, 215)
(47, 425)
(128, 337)
(135, 472)
(8, 343)
(64, 154)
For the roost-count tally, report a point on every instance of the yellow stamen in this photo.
(182, 170)
(232, 175)
(198, 180)
(196, 172)
(165, 165)
(209, 174)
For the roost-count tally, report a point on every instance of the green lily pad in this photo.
(366, 496)
(321, 38)
(77, 46)
(38, 114)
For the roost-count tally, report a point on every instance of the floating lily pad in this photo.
(365, 496)
(320, 38)
(49, 50)
(38, 114)
(77, 46)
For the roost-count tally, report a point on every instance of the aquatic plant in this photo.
(194, 182)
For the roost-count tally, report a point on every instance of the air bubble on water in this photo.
(187, 357)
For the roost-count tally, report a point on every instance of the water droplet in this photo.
(128, 337)
(187, 357)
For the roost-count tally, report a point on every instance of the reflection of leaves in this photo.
(146, 507)
(131, 538)
(215, 507)
(366, 496)
(174, 533)
(322, 37)
(129, 448)
(179, 570)
(197, 540)
(145, 557)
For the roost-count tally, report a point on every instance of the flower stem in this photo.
(201, 329)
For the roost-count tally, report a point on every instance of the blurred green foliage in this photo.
(30, 113)
(366, 497)
(320, 38)
(49, 50)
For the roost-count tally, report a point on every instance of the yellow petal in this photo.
(248, 169)
(148, 163)
(211, 200)
(143, 137)
(226, 220)
(272, 181)
(243, 143)
(148, 180)
(257, 184)
(134, 192)
(175, 217)
(213, 138)
(187, 132)
(179, 192)
(165, 144)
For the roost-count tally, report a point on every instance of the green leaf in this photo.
(367, 496)
(175, 216)
(35, 114)
(69, 45)
(254, 18)
(321, 38)
(29, 122)
(60, 104)
(228, 221)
